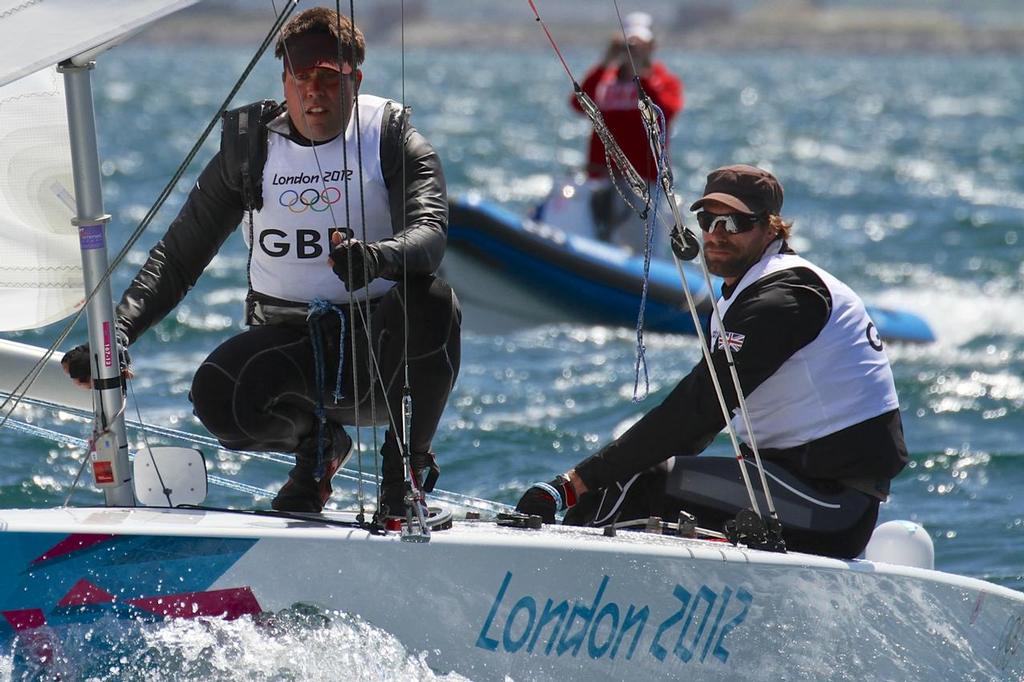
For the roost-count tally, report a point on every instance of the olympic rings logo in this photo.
(309, 199)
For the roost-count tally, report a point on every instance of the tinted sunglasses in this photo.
(733, 223)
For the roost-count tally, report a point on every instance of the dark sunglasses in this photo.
(733, 223)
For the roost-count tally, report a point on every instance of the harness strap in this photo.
(243, 144)
(243, 148)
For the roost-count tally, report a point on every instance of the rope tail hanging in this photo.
(654, 124)
(318, 309)
(645, 205)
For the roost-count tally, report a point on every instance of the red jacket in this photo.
(618, 104)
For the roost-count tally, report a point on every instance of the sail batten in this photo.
(35, 34)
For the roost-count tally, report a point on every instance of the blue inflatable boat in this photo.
(512, 272)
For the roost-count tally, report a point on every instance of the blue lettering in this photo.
(628, 622)
(684, 653)
(586, 616)
(530, 606)
(726, 596)
(720, 652)
(612, 611)
(680, 593)
(562, 610)
(482, 640)
(602, 626)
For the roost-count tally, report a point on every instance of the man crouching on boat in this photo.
(340, 198)
(816, 381)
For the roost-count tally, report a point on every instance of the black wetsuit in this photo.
(258, 389)
(776, 316)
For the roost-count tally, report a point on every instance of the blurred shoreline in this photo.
(800, 25)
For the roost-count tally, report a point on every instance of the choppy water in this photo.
(905, 176)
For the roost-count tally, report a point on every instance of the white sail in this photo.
(40, 262)
(34, 35)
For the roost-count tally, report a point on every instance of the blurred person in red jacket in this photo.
(610, 84)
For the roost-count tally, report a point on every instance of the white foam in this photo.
(959, 312)
(302, 643)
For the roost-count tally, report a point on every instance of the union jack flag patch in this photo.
(734, 340)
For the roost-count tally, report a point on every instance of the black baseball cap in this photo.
(747, 189)
(312, 50)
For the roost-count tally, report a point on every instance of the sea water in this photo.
(903, 175)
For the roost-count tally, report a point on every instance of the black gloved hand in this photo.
(365, 263)
(77, 362)
(684, 243)
(544, 499)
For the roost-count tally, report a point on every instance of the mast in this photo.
(111, 440)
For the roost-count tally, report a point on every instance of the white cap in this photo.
(638, 25)
(641, 18)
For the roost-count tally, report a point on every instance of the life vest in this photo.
(305, 194)
(839, 379)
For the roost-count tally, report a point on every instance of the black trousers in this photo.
(258, 390)
(818, 516)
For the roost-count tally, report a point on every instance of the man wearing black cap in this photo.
(817, 385)
(340, 198)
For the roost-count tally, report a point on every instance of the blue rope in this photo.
(649, 227)
(319, 307)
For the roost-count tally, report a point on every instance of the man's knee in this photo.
(233, 388)
(212, 388)
(433, 313)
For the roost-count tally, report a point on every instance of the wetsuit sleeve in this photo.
(775, 317)
(417, 198)
(665, 90)
(211, 212)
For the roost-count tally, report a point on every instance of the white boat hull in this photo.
(490, 602)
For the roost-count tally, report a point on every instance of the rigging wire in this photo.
(19, 394)
(615, 159)
(366, 315)
(356, 308)
(621, 168)
(286, 11)
(23, 386)
(342, 58)
(283, 459)
(653, 119)
(656, 141)
(407, 407)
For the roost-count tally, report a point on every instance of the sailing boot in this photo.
(393, 485)
(307, 490)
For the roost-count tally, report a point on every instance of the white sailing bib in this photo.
(839, 379)
(308, 193)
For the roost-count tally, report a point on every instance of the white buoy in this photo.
(901, 542)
